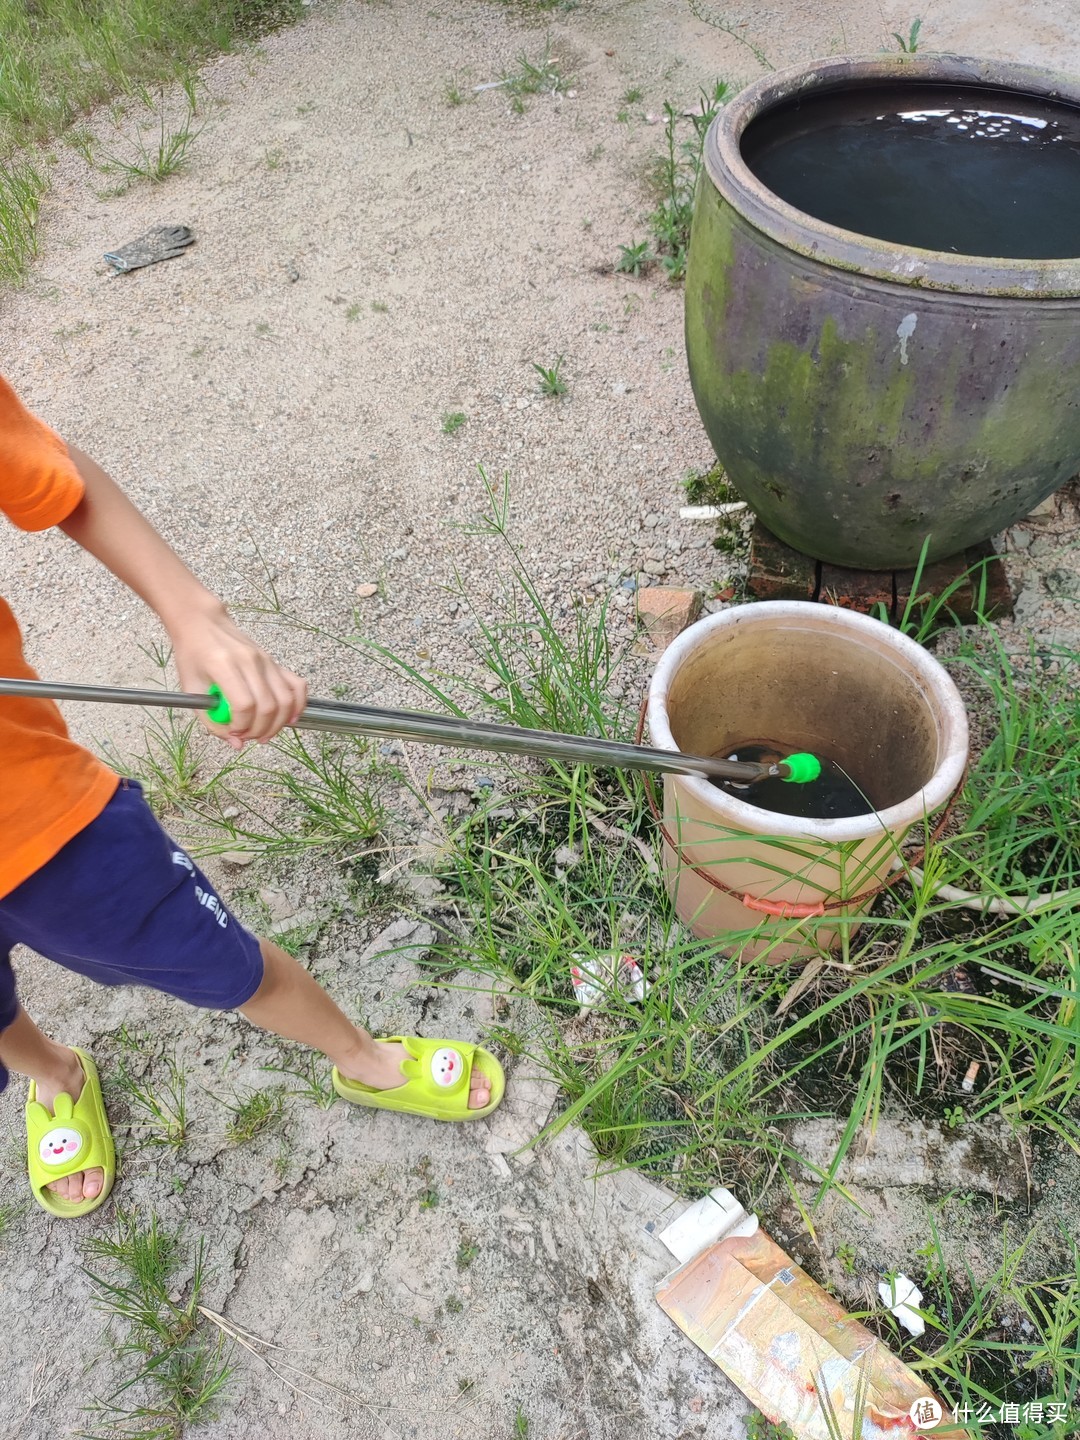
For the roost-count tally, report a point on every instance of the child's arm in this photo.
(207, 646)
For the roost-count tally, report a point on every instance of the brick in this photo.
(777, 572)
(856, 589)
(665, 611)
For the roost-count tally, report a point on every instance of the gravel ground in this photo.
(370, 257)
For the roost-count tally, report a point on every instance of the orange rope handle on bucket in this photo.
(786, 909)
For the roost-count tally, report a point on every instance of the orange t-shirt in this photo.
(50, 788)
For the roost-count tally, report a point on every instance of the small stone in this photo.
(231, 813)
(665, 611)
(652, 520)
(278, 904)
(238, 857)
(654, 567)
(695, 1405)
(367, 590)
(1021, 539)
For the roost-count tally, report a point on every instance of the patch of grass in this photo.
(253, 1113)
(454, 95)
(452, 421)
(306, 791)
(22, 185)
(352, 312)
(158, 148)
(160, 1107)
(312, 1077)
(454, 1305)
(521, 1425)
(1019, 834)
(1002, 1340)
(379, 307)
(63, 58)
(552, 382)
(428, 1198)
(178, 1370)
(534, 77)
(632, 95)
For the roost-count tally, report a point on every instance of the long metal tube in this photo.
(437, 729)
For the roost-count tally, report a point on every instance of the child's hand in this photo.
(264, 697)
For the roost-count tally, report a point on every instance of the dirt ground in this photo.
(370, 257)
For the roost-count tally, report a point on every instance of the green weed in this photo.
(552, 382)
(158, 148)
(307, 792)
(253, 1113)
(468, 1250)
(352, 312)
(161, 1108)
(312, 1077)
(734, 28)
(672, 179)
(534, 77)
(634, 259)
(452, 421)
(172, 765)
(909, 43)
(1020, 802)
(10, 1213)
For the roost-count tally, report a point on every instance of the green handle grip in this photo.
(221, 711)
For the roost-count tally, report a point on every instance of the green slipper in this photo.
(76, 1136)
(436, 1080)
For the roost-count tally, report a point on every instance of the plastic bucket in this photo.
(807, 677)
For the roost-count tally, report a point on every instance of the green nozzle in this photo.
(801, 768)
(221, 711)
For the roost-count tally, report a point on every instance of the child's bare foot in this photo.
(380, 1067)
(84, 1184)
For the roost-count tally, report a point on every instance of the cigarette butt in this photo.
(968, 1082)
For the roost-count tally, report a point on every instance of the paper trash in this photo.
(792, 1349)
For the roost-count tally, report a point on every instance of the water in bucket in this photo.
(833, 796)
(967, 169)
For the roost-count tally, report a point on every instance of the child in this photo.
(89, 879)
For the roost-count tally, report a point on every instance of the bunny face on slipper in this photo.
(59, 1145)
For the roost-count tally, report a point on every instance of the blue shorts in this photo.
(123, 905)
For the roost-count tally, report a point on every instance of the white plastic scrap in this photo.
(716, 1216)
(899, 1295)
(594, 978)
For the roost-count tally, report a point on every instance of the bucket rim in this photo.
(832, 246)
(946, 704)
